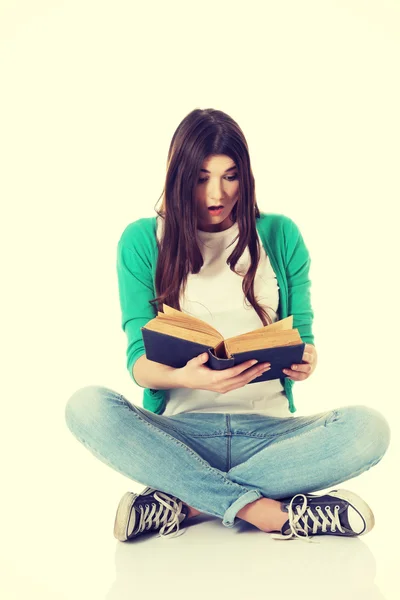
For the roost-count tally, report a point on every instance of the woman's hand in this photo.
(301, 372)
(195, 375)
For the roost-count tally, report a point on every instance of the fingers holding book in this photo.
(299, 372)
(196, 375)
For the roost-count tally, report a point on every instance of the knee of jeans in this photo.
(382, 429)
(375, 431)
(82, 403)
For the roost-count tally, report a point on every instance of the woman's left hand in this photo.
(301, 372)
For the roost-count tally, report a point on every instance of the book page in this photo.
(180, 319)
(260, 340)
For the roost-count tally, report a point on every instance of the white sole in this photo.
(122, 517)
(359, 504)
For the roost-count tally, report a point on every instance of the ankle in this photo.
(265, 513)
(192, 512)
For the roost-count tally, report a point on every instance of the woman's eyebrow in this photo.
(230, 169)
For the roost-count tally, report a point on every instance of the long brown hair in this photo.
(203, 133)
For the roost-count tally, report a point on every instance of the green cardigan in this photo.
(137, 254)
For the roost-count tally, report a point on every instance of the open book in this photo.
(173, 338)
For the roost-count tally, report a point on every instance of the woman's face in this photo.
(217, 185)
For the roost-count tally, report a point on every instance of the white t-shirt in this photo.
(215, 295)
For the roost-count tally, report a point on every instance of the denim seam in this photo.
(297, 436)
(243, 433)
(169, 426)
(228, 443)
(196, 456)
(148, 419)
(276, 435)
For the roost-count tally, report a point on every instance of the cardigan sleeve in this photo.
(297, 265)
(135, 287)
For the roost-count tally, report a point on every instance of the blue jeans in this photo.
(218, 462)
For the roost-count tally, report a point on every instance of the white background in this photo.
(91, 94)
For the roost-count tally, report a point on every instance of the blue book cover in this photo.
(277, 343)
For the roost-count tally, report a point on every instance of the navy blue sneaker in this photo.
(151, 510)
(339, 512)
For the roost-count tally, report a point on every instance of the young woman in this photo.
(219, 442)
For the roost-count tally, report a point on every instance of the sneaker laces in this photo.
(319, 521)
(151, 519)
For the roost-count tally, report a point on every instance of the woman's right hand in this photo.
(195, 375)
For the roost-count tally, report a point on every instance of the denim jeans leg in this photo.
(328, 449)
(120, 435)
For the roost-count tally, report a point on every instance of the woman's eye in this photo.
(203, 179)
